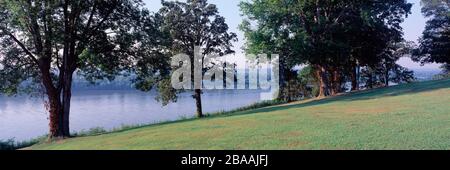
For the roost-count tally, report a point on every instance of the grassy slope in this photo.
(412, 116)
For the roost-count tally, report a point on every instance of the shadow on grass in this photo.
(398, 90)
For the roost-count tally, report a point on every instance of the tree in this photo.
(44, 42)
(388, 68)
(435, 41)
(190, 24)
(329, 35)
(152, 63)
(271, 35)
(445, 68)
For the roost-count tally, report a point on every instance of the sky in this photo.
(413, 28)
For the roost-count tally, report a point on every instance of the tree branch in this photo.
(22, 46)
(91, 16)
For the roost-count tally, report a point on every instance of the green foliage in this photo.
(388, 70)
(183, 25)
(43, 43)
(91, 132)
(98, 44)
(299, 86)
(376, 76)
(445, 74)
(332, 36)
(310, 81)
(196, 23)
(153, 55)
(446, 68)
(312, 32)
(435, 42)
(441, 76)
(11, 144)
(7, 145)
(166, 93)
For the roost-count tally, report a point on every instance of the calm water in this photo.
(23, 118)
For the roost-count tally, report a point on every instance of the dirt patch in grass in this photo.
(296, 144)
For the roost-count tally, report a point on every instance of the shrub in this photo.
(11, 144)
(91, 132)
(7, 144)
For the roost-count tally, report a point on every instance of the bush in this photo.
(441, 76)
(91, 132)
(11, 144)
(7, 145)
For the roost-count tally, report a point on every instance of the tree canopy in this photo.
(435, 42)
(43, 43)
(190, 24)
(332, 36)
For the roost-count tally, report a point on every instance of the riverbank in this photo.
(409, 116)
(24, 117)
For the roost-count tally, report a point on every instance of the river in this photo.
(24, 117)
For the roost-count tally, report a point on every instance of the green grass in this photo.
(410, 116)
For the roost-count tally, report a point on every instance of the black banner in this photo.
(226, 159)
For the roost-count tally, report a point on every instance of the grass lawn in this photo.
(410, 116)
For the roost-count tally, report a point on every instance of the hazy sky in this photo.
(413, 26)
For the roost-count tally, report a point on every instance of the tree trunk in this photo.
(54, 108)
(354, 75)
(67, 95)
(320, 74)
(54, 103)
(386, 78)
(335, 81)
(370, 80)
(198, 102)
(282, 82)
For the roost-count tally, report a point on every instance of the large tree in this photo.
(328, 35)
(44, 42)
(435, 42)
(190, 24)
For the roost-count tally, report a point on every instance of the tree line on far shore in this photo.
(45, 42)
